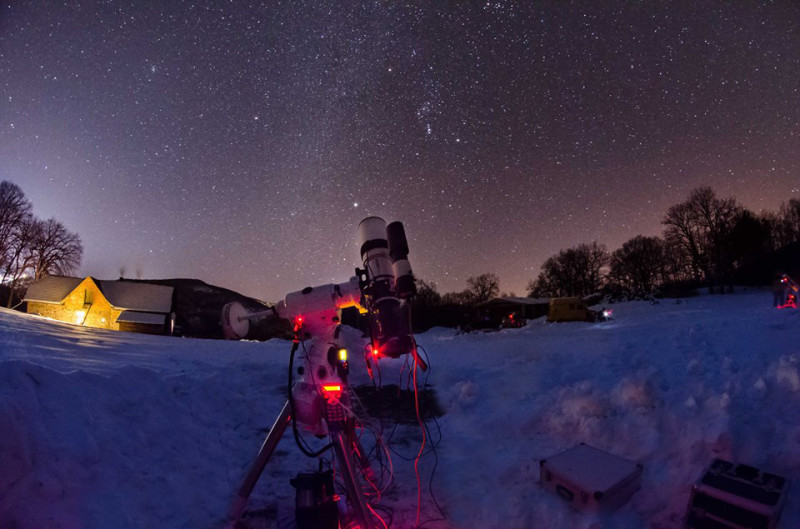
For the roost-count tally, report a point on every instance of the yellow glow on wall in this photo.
(79, 316)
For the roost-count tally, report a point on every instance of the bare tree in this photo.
(701, 228)
(427, 294)
(541, 287)
(464, 297)
(575, 271)
(483, 287)
(596, 259)
(554, 279)
(20, 257)
(750, 239)
(789, 222)
(640, 265)
(15, 211)
(31, 248)
(687, 238)
(54, 249)
(773, 224)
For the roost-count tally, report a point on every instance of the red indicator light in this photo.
(791, 303)
(374, 352)
(331, 391)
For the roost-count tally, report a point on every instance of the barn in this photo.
(117, 305)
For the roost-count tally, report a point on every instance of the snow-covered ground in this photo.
(113, 430)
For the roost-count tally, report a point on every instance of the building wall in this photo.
(529, 310)
(143, 328)
(50, 310)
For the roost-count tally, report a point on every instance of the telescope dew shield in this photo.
(375, 250)
(405, 287)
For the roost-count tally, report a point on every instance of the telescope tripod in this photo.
(341, 433)
(342, 437)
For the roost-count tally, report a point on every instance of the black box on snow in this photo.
(730, 496)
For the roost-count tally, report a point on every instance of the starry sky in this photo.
(241, 144)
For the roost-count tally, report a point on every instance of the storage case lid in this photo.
(591, 468)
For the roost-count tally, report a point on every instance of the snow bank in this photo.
(103, 429)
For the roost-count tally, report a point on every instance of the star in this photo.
(559, 124)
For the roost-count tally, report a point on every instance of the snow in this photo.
(102, 429)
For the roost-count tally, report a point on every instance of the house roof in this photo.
(52, 289)
(133, 295)
(149, 318)
(123, 295)
(516, 301)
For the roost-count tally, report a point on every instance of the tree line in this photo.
(707, 241)
(32, 248)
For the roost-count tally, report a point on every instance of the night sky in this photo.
(241, 145)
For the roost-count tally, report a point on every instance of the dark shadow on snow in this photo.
(393, 404)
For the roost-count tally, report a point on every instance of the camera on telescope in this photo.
(387, 284)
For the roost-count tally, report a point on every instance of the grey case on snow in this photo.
(589, 478)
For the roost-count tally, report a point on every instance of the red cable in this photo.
(378, 516)
(422, 446)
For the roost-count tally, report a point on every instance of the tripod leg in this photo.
(361, 456)
(343, 447)
(274, 435)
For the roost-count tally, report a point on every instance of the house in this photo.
(527, 308)
(118, 305)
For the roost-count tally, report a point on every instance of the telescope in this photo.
(381, 291)
(318, 400)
